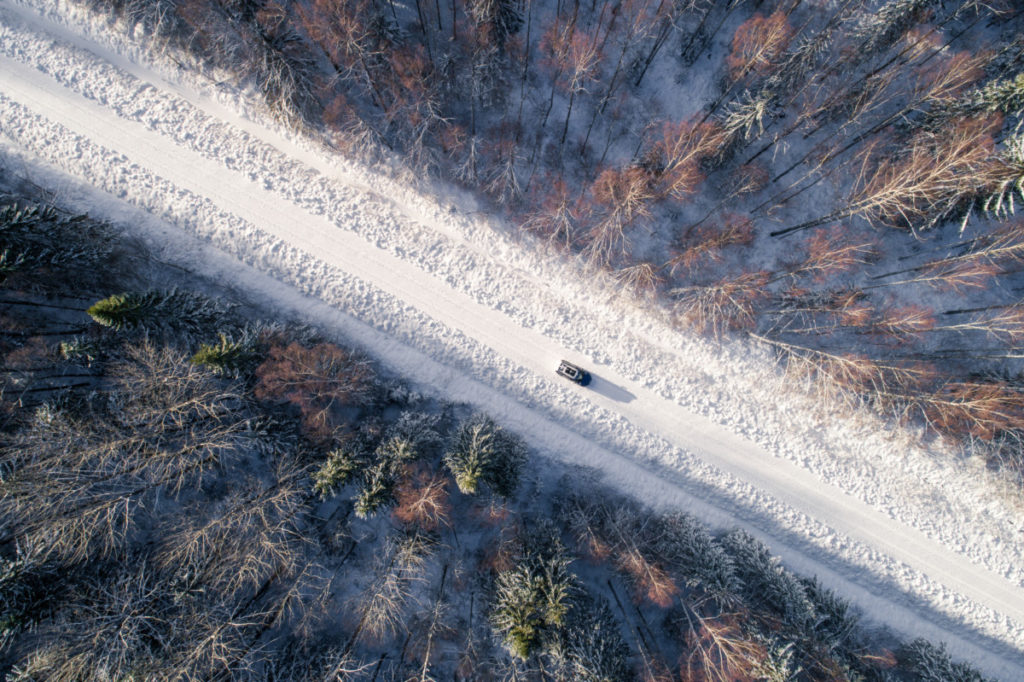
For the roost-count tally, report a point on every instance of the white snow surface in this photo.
(924, 540)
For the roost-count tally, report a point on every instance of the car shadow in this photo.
(610, 390)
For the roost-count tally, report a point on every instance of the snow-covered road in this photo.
(459, 308)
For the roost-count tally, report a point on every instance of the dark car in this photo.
(573, 373)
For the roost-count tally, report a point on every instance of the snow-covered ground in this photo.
(921, 539)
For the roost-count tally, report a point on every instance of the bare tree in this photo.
(708, 242)
(622, 198)
(757, 43)
(728, 304)
(317, 380)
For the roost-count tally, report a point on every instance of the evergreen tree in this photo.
(169, 310)
(691, 551)
(515, 615)
(483, 452)
(227, 357)
(596, 651)
(469, 458)
(33, 236)
(80, 349)
(930, 663)
(376, 492)
(340, 468)
(837, 623)
(778, 665)
(420, 429)
(766, 583)
(389, 460)
(533, 598)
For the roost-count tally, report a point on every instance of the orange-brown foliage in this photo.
(650, 581)
(708, 241)
(422, 499)
(933, 176)
(903, 322)
(758, 41)
(317, 380)
(982, 409)
(719, 651)
(830, 252)
(677, 153)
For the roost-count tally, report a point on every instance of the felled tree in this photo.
(316, 380)
(718, 648)
(484, 453)
(650, 580)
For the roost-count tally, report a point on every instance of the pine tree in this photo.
(930, 663)
(533, 598)
(171, 310)
(376, 492)
(227, 357)
(688, 547)
(38, 240)
(420, 429)
(766, 583)
(470, 457)
(837, 624)
(515, 611)
(340, 468)
(483, 452)
(80, 349)
(125, 311)
(778, 664)
(596, 651)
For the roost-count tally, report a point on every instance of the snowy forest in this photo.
(837, 180)
(188, 493)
